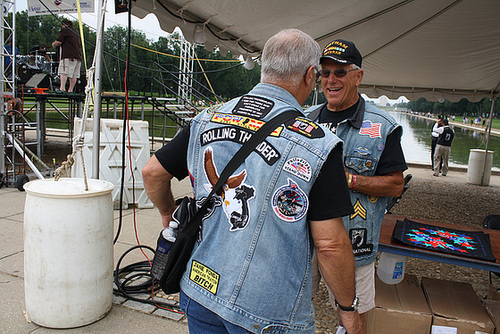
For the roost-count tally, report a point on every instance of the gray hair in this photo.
(287, 56)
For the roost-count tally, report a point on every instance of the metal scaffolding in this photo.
(186, 64)
(7, 69)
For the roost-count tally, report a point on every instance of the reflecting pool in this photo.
(416, 141)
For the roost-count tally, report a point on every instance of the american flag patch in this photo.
(371, 129)
(299, 167)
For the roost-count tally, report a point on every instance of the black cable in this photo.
(139, 271)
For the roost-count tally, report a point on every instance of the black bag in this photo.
(178, 256)
(190, 220)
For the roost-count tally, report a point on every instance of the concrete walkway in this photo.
(126, 316)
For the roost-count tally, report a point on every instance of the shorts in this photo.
(365, 285)
(69, 67)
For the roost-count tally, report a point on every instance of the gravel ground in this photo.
(463, 204)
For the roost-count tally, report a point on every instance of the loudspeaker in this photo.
(39, 80)
(81, 83)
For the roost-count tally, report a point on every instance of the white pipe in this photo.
(26, 158)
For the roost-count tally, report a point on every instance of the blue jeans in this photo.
(203, 321)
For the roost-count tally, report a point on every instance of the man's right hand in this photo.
(351, 321)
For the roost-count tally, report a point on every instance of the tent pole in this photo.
(97, 90)
(488, 133)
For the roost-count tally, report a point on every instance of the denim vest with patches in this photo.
(364, 137)
(252, 262)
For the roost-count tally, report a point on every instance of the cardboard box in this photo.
(400, 308)
(456, 308)
(492, 305)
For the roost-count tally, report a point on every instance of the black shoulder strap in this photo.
(239, 157)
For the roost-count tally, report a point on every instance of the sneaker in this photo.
(435, 174)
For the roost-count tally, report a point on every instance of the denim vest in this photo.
(252, 264)
(364, 137)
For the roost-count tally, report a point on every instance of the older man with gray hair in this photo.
(260, 269)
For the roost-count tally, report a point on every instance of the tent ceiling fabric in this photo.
(417, 48)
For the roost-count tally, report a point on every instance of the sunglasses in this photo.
(339, 72)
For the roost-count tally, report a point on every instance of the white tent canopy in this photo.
(417, 48)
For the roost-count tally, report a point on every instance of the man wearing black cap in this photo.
(373, 158)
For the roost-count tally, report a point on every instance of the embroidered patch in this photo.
(253, 106)
(363, 151)
(372, 199)
(299, 167)
(305, 127)
(380, 146)
(358, 241)
(359, 210)
(370, 129)
(243, 122)
(212, 109)
(267, 151)
(204, 277)
(290, 203)
(235, 194)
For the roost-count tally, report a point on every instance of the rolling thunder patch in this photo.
(267, 151)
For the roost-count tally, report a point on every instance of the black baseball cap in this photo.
(342, 51)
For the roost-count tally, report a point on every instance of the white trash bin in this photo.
(476, 167)
(68, 252)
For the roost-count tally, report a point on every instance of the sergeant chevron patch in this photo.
(359, 210)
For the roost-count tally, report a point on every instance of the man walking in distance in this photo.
(260, 270)
(373, 158)
(443, 146)
(70, 55)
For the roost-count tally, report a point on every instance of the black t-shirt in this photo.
(327, 189)
(392, 158)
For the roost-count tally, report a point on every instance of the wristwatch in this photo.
(352, 308)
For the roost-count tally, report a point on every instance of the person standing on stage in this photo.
(70, 55)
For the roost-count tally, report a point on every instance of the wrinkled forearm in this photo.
(157, 182)
(390, 184)
(335, 258)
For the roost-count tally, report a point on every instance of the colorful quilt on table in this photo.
(456, 242)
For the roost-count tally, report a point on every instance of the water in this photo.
(416, 141)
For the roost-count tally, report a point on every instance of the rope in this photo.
(79, 140)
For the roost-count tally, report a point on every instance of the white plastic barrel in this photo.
(391, 268)
(476, 167)
(68, 252)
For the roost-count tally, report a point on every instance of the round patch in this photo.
(380, 146)
(290, 202)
